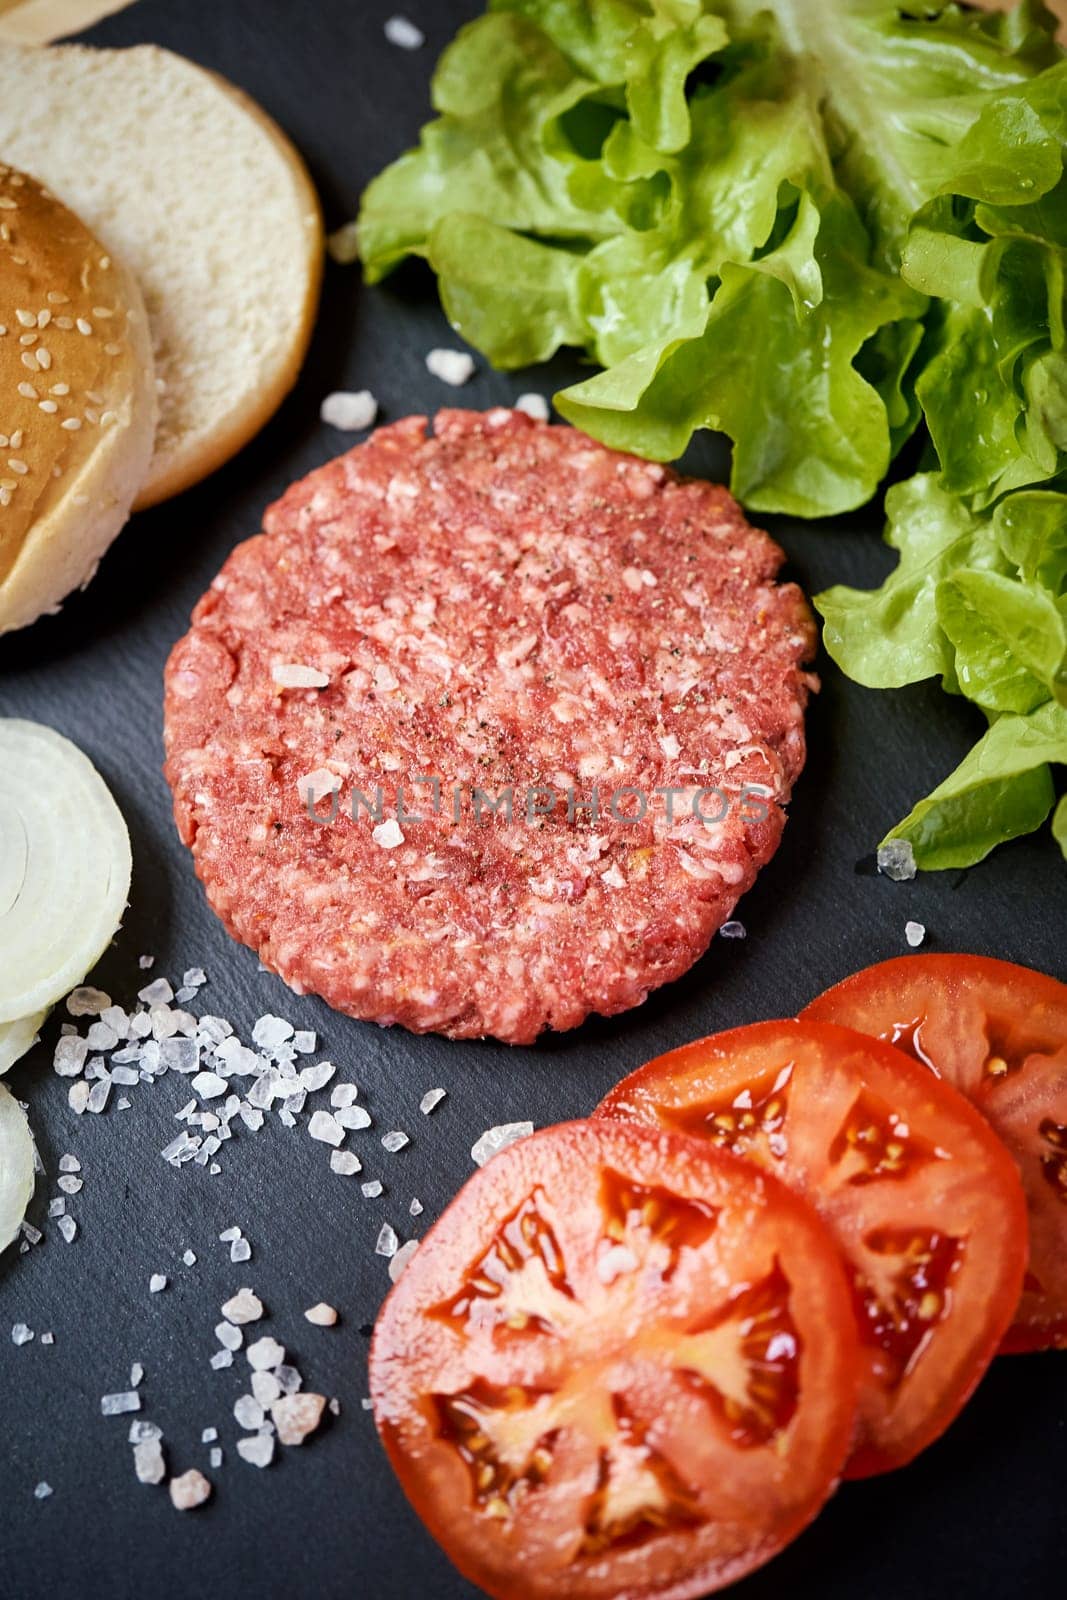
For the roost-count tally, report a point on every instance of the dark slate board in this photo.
(980, 1514)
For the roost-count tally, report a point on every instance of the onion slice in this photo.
(18, 1037)
(65, 867)
(16, 1166)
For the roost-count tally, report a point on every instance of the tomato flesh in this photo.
(998, 1033)
(621, 1365)
(919, 1195)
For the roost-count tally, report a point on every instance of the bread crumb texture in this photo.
(208, 204)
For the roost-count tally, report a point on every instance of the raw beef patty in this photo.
(482, 652)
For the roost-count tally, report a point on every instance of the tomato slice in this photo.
(998, 1033)
(621, 1365)
(920, 1195)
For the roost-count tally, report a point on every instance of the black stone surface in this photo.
(980, 1515)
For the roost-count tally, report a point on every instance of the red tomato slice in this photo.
(998, 1033)
(621, 1366)
(921, 1197)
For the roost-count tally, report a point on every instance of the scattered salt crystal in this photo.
(21, 1334)
(265, 1354)
(534, 405)
(69, 1163)
(157, 993)
(98, 1096)
(248, 1411)
(229, 1337)
(113, 1405)
(345, 1163)
(326, 1128)
(387, 834)
(68, 1228)
(244, 1307)
(157, 1283)
(70, 1183)
(146, 963)
(252, 1117)
(322, 1315)
(317, 1077)
(431, 1100)
(101, 1037)
(57, 1207)
(70, 1055)
(493, 1140)
(304, 1041)
(141, 1429)
(353, 1117)
(367, 1403)
(372, 1189)
(195, 978)
(403, 33)
(189, 1491)
(258, 1451)
(215, 1457)
(228, 1235)
(148, 1461)
(896, 859)
(401, 1258)
(240, 1251)
(209, 1436)
(136, 1375)
(180, 1055)
(48, 1338)
(189, 1258)
(343, 1096)
(387, 1241)
(314, 786)
(221, 1358)
(733, 930)
(349, 409)
(914, 933)
(415, 1208)
(394, 1141)
(86, 1002)
(270, 1031)
(289, 1380)
(42, 1491)
(297, 1415)
(78, 1096)
(265, 1388)
(126, 1077)
(208, 1085)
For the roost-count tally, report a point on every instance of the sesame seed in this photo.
(92, 416)
(7, 204)
(56, 298)
(4, 441)
(26, 318)
(47, 405)
(44, 318)
(27, 391)
(102, 311)
(29, 360)
(83, 326)
(44, 358)
(60, 388)
(109, 418)
(64, 323)
(16, 439)
(105, 262)
(72, 424)
(3, 330)
(27, 339)
(112, 349)
(17, 466)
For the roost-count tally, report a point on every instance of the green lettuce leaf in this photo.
(1010, 640)
(1002, 789)
(1059, 825)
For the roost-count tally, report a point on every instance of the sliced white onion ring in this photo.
(64, 867)
(18, 1037)
(16, 1166)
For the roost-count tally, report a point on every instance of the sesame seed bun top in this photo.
(77, 408)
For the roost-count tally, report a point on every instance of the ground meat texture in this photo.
(493, 603)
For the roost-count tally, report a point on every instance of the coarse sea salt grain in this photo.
(221, 1358)
(114, 1405)
(372, 1189)
(353, 1118)
(402, 32)
(401, 1258)
(148, 1463)
(896, 860)
(415, 1208)
(297, 1415)
(157, 1283)
(394, 1141)
(68, 1228)
(295, 675)
(215, 1457)
(189, 1491)
(326, 1128)
(258, 1450)
(493, 1140)
(229, 1336)
(248, 1412)
(733, 930)
(343, 1096)
(265, 1388)
(87, 1002)
(387, 1243)
(322, 1315)
(914, 933)
(42, 1491)
(69, 1163)
(265, 1354)
(431, 1100)
(21, 1334)
(189, 1258)
(244, 1307)
(345, 1163)
(534, 405)
(454, 367)
(387, 835)
(349, 409)
(240, 1251)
